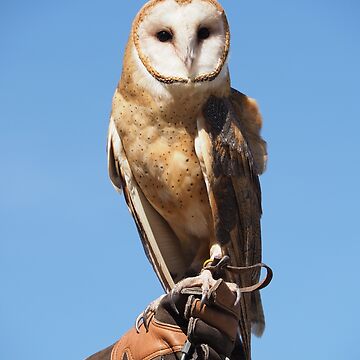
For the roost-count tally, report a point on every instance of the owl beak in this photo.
(185, 49)
(189, 61)
(190, 55)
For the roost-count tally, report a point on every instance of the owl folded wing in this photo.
(232, 154)
(158, 239)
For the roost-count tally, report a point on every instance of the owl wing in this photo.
(232, 154)
(158, 239)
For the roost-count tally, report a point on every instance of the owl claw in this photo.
(204, 281)
(203, 299)
(173, 295)
(139, 321)
(142, 320)
(236, 290)
(208, 281)
(238, 296)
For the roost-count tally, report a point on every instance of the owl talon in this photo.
(238, 297)
(142, 319)
(139, 321)
(207, 282)
(235, 290)
(173, 295)
(204, 281)
(203, 299)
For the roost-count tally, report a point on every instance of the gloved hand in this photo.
(168, 324)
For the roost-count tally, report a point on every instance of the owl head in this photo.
(182, 41)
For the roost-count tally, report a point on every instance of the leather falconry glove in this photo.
(182, 327)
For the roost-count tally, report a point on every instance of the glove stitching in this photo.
(162, 325)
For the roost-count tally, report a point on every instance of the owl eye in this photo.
(203, 33)
(164, 36)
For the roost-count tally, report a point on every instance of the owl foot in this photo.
(217, 267)
(204, 281)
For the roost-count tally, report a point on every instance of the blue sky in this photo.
(73, 275)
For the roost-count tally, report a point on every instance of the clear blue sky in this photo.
(73, 275)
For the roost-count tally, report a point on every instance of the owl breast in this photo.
(159, 144)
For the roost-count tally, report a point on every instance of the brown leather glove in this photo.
(211, 329)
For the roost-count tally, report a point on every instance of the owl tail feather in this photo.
(257, 314)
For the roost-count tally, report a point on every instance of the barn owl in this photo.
(186, 148)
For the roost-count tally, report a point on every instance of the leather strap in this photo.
(223, 265)
(258, 286)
